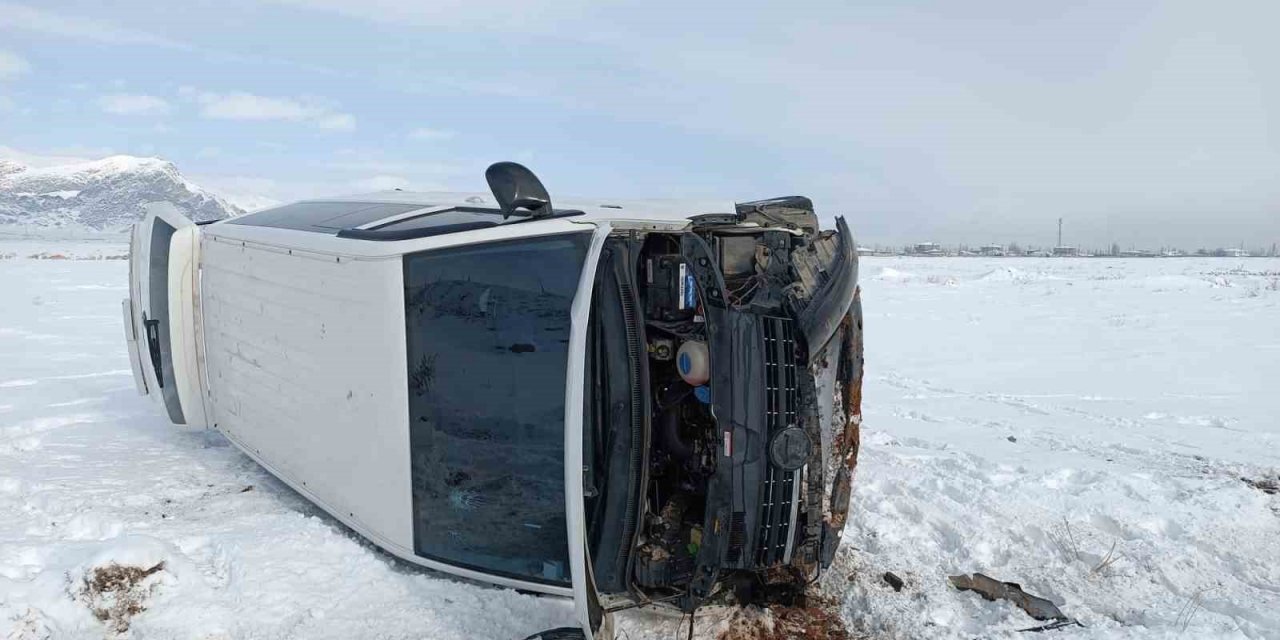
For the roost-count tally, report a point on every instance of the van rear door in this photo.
(162, 315)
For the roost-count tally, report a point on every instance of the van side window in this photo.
(487, 346)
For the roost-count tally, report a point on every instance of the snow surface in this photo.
(1024, 415)
(1137, 393)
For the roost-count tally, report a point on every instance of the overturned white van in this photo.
(620, 403)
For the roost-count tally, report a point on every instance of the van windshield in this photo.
(487, 336)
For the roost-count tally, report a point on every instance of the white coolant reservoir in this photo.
(694, 362)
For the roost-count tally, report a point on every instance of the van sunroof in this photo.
(325, 217)
(361, 220)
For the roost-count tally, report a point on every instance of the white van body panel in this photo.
(184, 323)
(306, 360)
(135, 340)
(144, 377)
(131, 345)
(305, 356)
(576, 383)
(166, 294)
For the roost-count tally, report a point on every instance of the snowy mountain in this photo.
(102, 195)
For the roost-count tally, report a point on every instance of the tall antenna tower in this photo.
(1059, 232)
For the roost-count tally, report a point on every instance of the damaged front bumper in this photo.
(787, 370)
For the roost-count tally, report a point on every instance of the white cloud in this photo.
(470, 15)
(239, 105)
(373, 171)
(382, 183)
(11, 64)
(366, 163)
(53, 157)
(337, 122)
(250, 193)
(125, 104)
(244, 106)
(68, 25)
(254, 192)
(15, 16)
(424, 133)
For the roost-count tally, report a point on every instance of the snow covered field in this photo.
(1022, 417)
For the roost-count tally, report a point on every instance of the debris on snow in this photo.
(559, 633)
(992, 589)
(1270, 486)
(817, 620)
(1106, 561)
(1052, 626)
(115, 593)
(1188, 610)
(31, 625)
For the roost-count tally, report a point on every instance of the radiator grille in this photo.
(778, 490)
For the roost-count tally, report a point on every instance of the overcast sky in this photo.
(1142, 123)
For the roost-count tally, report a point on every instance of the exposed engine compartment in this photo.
(682, 455)
(741, 503)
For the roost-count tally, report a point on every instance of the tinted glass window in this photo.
(488, 337)
(325, 217)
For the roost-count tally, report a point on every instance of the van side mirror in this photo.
(515, 187)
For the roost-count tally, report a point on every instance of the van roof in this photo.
(592, 208)
(401, 215)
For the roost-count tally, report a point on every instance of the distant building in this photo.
(928, 249)
(993, 250)
(1235, 253)
(1066, 252)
